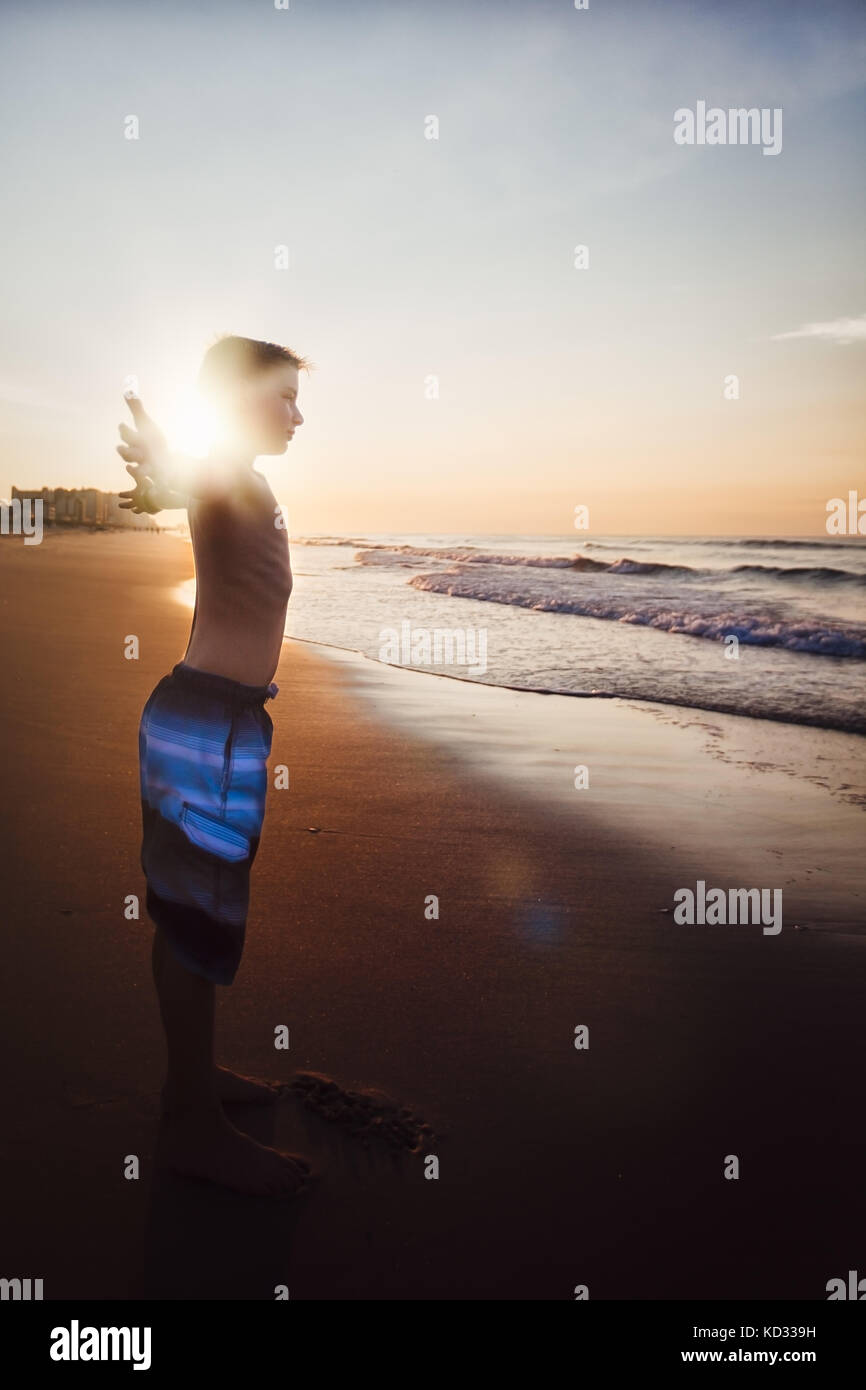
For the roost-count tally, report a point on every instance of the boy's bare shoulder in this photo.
(250, 502)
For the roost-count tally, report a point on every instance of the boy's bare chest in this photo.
(243, 544)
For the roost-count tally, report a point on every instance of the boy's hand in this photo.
(147, 496)
(148, 464)
(145, 445)
(163, 478)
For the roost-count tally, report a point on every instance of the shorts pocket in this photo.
(214, 835)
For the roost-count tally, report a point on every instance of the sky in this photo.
(469, 376)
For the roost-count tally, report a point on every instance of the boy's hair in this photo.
(233, 359)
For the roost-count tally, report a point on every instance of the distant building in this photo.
(84, 506)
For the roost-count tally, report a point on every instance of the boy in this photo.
(204, 740)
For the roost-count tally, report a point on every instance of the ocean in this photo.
(770, 628)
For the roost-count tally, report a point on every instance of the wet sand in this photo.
(557, 1166)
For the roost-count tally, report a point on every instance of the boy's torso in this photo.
(243, 583)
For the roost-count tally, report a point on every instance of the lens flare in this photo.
(194, 426)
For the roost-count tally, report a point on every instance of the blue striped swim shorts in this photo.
(204, 742)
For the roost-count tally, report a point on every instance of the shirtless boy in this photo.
(204, 740)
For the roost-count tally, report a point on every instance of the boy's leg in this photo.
(186, 1003)
(195, 1137)
(193, 1081)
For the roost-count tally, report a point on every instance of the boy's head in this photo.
(253, 389)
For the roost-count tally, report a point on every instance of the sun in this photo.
(192, 427)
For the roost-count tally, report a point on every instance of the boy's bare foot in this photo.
(204, 1144)
(235, 1088)
(248, 1090)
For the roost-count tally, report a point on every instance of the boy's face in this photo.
(264, 412)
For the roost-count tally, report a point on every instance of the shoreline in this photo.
(685, 761)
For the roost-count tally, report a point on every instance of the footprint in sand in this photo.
(367, 1115)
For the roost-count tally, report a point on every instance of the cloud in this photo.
(836, 331)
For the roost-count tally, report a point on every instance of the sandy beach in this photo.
(558, 1167)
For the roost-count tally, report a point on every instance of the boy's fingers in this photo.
(137, 409)
(128, 451)
(141, 417)
(143, 420)
(128, 435)
(136, 471)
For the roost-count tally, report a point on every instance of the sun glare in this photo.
(192, 427)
